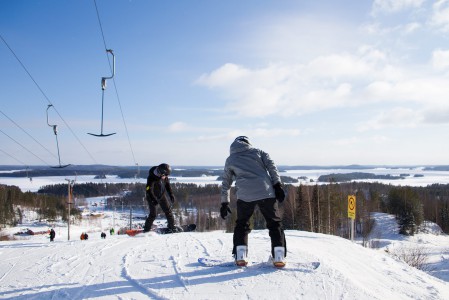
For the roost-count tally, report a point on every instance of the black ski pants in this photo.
(270, 211)
(166, 208)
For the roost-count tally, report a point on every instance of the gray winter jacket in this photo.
(253, 171)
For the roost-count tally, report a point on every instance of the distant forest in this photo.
(101, 171)
(312, 207)
(142, 171)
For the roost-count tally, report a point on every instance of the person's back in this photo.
(257, 183)
(249, 166)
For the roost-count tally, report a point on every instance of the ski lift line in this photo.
(20, 162)
(124, 122)
(103, 87)
(48, 100)
(26, 70)
(12, 121)
(55, 131)
(101, 27)
(25, 148)
(113, 79)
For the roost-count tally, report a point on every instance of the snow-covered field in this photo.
(151, 266)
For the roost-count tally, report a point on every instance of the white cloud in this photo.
(177, 127)
(400, 117)
(377, 29)
(436, 115)
(440, 16)
(273, 132)
(226, 75)
(289, 89)
(411, 27)
(393, 6)
(440, 59)
(376, 139)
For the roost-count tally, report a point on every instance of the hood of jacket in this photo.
(239, 146)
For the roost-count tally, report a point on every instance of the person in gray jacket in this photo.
(257, 183)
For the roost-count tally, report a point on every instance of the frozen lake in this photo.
(416, 176)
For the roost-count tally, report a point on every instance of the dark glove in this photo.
(172, 199)
(224, 210)
(279, 192)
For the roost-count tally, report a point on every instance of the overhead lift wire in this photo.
(115, 85)
(50, 103)
(12, 121)
(16, 159)
(24, 148)
(45, 96)
(48, 100)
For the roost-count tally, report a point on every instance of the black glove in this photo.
(224, 210)
(172, 199)
(279, 192)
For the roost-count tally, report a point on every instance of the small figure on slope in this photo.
(158, 185)
(52, 235)
(257, 183)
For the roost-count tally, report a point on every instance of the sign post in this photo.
(351, 213)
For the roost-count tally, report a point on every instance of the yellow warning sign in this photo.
(351, 206)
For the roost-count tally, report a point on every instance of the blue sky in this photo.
(310, 82)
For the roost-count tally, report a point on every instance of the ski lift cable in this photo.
(50, 103)
(55, 131)
(12, 121)
(103, 87)
(16, 159)
(24, 148)
(46, 97)
(115, 85)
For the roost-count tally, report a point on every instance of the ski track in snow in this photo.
(152, 266)
(135, 283)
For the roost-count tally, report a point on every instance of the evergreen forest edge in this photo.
(313, 207)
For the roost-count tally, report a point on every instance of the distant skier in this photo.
(257, 183)
(52, 235)
(103, 235)
(158, 185)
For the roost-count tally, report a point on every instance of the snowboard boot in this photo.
(240, 256)
(279, 257)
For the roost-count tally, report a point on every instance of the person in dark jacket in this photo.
(52, 235)
(257, 183)
(157, 188)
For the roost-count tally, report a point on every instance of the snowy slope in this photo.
(150, 266)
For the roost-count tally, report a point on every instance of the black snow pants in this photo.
(166, 208)
(270, 211)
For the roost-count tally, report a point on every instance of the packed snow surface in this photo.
(152, 266)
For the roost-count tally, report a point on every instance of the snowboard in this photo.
(182, 228)
(133, 232)
(163, 230)
(298, 266)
